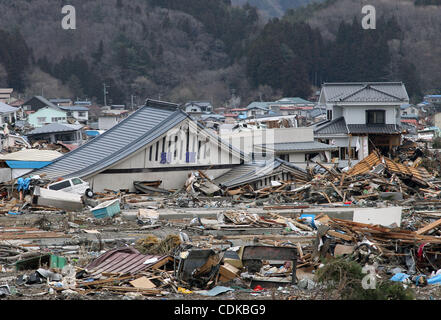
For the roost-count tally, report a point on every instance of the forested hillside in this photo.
(182, 50)
(274, 8)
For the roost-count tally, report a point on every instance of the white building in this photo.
(361, 117)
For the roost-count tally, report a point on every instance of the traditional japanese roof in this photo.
(365, 92)
(339, 126)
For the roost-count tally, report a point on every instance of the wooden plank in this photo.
(429, 227)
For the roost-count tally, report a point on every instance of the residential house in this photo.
(79, 113)
(198, 107)
(361, 116)
(294, 145)
(8, 114)
(47, 115)
(291, 106)
(433, 98)
(36, 103)
(158, 142)
(409, 111)
(58, 133)
(257, 108)
(5, 95)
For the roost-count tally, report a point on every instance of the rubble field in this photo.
(371, 231)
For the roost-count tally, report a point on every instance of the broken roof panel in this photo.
(252, 172)
(374, 159)
(124, 261)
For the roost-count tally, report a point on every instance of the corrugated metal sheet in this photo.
(134, 132)
(122, 260)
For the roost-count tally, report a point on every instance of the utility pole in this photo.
(105, 93)
(132, 96)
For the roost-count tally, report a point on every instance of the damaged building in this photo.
(158, 142)
(360, 118)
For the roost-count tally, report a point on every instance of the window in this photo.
(375, 117)
(329, 114)
(81, 113)
(76, 181)
(61, 185)
(41, 119)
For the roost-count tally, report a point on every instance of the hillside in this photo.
(274, 8)
(181, 50)
(145, 48)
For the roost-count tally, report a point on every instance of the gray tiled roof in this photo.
(336, 126)
(365, 92)
(374, 128)
(55, 127)
(299, 146)
(45, 101)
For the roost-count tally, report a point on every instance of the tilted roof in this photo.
(252, 172)
(130, 135)
(55, 127)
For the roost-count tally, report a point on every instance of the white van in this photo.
(74, 185)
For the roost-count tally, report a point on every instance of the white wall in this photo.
(105, 123)
(5, 174)
(170, 180)
(357, 114)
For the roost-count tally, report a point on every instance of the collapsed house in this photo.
(158, 142)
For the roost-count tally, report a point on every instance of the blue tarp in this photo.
(92, 133)
(13, 164)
